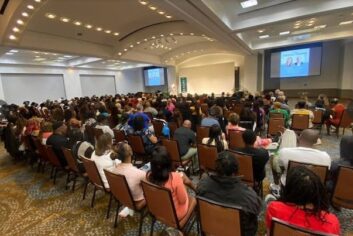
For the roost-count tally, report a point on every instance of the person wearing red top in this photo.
(337, 110)
(304, 203)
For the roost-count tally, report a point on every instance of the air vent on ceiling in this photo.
(3, 5)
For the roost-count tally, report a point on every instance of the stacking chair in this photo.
(202, 132)
(172, 147)
(280, 228)
(122, 194)
(204, 109)
(343, 191)
(276, 115)
(161, 207)
(137, 147)
(300, 122)
(345, 122)
(41, 153)
(172, 127)
(54, 161)
(158, 127)
(218, 218)
(72, 168)
(235, 139)
(319, 170)
(317, 121)
(275, 126)
(207, 157)
(96, 180)
(119, 135)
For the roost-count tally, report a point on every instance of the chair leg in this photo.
(93, 196)
(52, 172)
(109, 204)
(85, 189)
(343, 131)
(67, 179)
(152, 224)
(55, 173)
(116, 215)
(142, 216)
(74, 183)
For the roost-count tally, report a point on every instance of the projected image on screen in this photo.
(154, 76)
(295, 63)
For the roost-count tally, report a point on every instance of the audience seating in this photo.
(319, 170)
(204, 109)
(158, 127)
(207, 156)
(157, 196)
(137, 146)
(172, 127)
(345, 122)
(317, 121)
(275, 126)
(41, 152)
(119, 135)
(54, 161)
(238, 108)
(276, 115)
(172, 147)
(342, 195)
(300, 122)
(235, 139)
(202, 132)
(122, 194)
(280, 228)
(96, 180)
(218, 218)
(72, 168)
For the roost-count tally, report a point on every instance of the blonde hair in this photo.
(103, 144)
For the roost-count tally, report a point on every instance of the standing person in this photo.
(226, 187)
(304, 203)
(216, 139)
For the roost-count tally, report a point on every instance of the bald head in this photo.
(308, 138)
(187, 124)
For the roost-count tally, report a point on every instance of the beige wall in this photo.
(347, 70)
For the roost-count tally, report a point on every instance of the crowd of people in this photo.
(298, 196)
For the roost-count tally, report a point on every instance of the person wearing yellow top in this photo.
(301, 110)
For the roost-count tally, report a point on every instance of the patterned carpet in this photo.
(31, 205)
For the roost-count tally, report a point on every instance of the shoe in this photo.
(275, 190)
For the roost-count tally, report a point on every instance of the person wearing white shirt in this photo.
(102, 124)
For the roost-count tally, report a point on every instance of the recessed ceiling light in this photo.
(50, 15)
(67, 56)
(143, 2)
(181, 33)
(145, 40)
(13, 51)
(131, 46)
(284, 32)
(296, 27)
(64, 19)
(264, 36)
(168, 16)
(116, 33)
(153, 37)
(346, 22)
(36, 56)
(162, 35)
(137, 42)
(20, 22)
(78, 23)
(119, 53)
(310, 24)
(9, 53)
(99, 29)
(12, 37)
(311, 21)
(37, 0)
(152, 8)
(171, 34)
(125, 49)
(15, 29)
(320, 27)
(191, 34)
(88, 26)
(30, 7)
(161, 12)
(107, 31)
(248, 3)
(25, 14)
(261, 31)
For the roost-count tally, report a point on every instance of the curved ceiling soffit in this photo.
(188, 59)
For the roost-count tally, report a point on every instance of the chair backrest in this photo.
(204, 108)
(235, 139)
(53, 159)
(319, 170)
(172, 127)
(276, 115)
(207, 156)
(136, 144)
(172, 147)
(41, 148)
(120, 189)
(217, 217)
(119, 135)
(202, 132)
(343, 192)
(160, 204)
(71, 160)
(245, 168)
(275, 126)
(158, 127)
(238, 108)
(317, 116)
(346, 120)
(300, 122)
(280, 228)
(247, 124)
(92, 172)
(97, 133)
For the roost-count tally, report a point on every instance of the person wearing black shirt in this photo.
(58, 140)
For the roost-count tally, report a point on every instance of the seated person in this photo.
(123, 124)
(301, 110)
(216, 139)
(211, 119)
(148, 137)
(102, 123)
(226, 187)
(139, 112)
(277, 109)
(102, 156)
(161, 174)
(59, 140)
(304, 203)
(247, 117)
(337, 110)
(260, 156)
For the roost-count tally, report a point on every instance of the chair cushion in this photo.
(192, 205)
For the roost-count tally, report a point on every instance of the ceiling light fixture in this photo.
(107, 31)
(20, 22)
(284, 33)
(145, 40)
(137, 42)
(31, 7)
(161, 12)
(9, 53)
(296, 27)
(64, 19)
(50, 16)
(168, 16)
(153, 8)
(116, 33)
(346, 22)
(12, 37)
(38, 1)
(131, 46)
(88, 26)
(78, 23)
(24, 14)
(13, 51)
(15, 29)
(119, 53)
(125, 49)
(261, 31)
(99, 29)
(143, 2)
(264, 36)
(320, 27)
(248, 3)
(192, 34)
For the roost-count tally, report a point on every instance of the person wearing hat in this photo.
(59, 140)
(226, 187)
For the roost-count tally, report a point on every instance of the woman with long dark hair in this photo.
(216, 139)
(304, 203)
